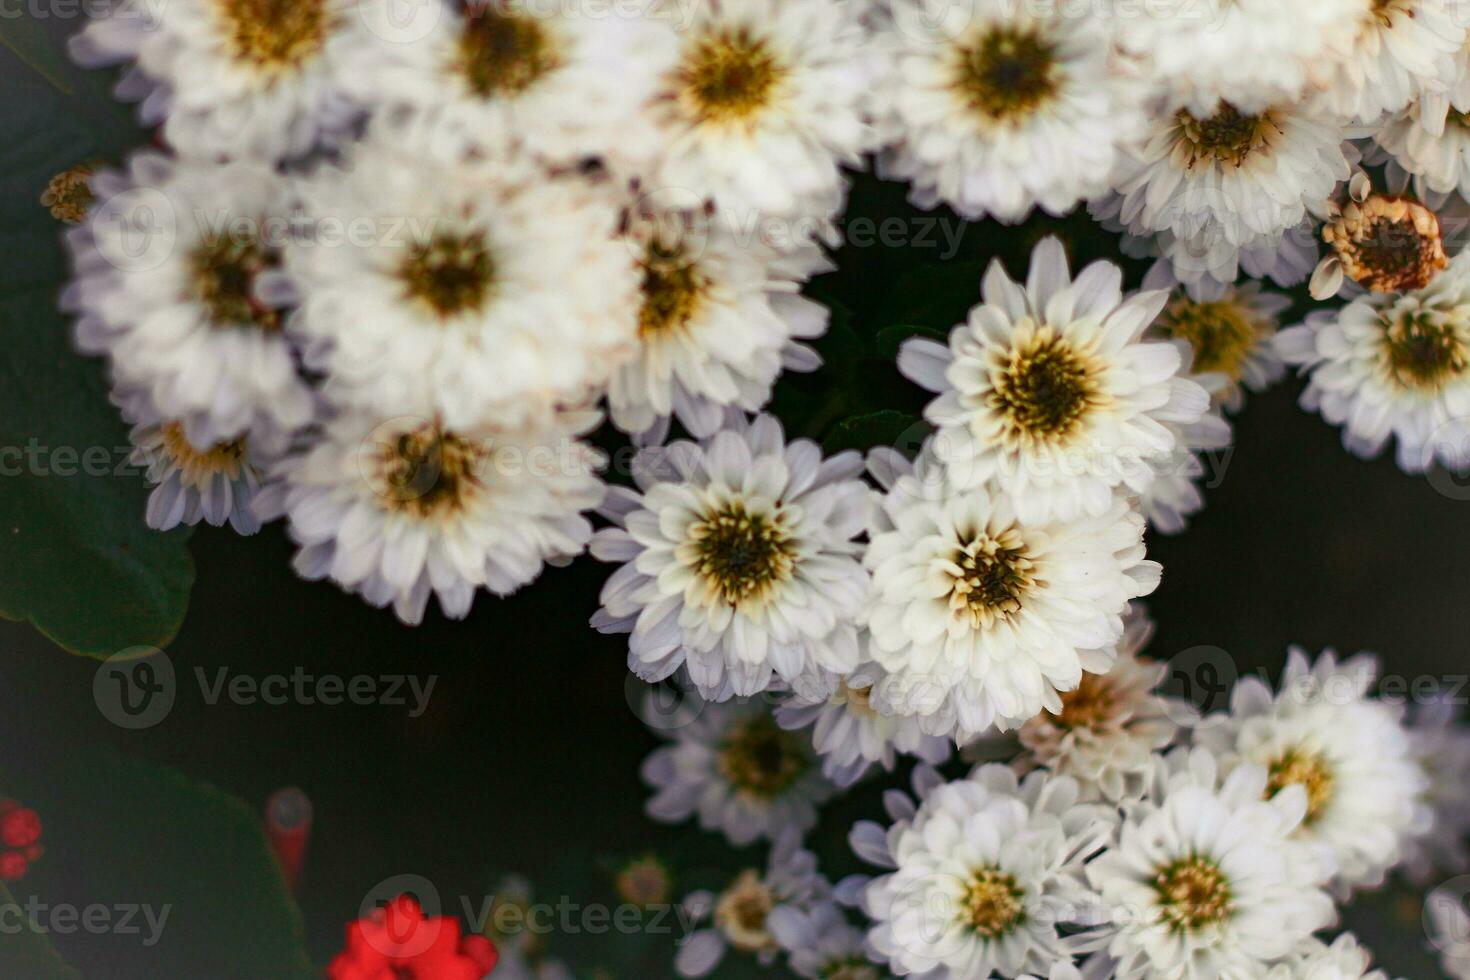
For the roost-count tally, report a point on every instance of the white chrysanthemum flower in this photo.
(853, 732)
(995, 107)
(396, 509)
(983, 618)
(1111, 724)
(1205, 881)
(720, 317)
(237, 78)
(1350, 753)
(1390, 364)
(738, 562)
(1441, 744)
(172, 273)
(564, 83)
(215, 484)
(1050, 390)
(1218, 187)
(474, 294)
(1345, 959)
(1403, 50)
(822, 944)
(762, 105)
(986, 873)
(739, 772)
(755, 910)
(1230, 328)
(1253, 53)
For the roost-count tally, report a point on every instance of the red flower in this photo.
(19, 826)
(398, 942)
(12, 866)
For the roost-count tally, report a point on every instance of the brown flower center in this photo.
(1006, 73)
(69, 194)
(427, 472)
(1387, 244)
(741, 913)
(993, 903)
(729, 76)
(994, 574)
(743, 554)
(1043, 389)
(1192, 893)
(645, 881)
(1091, 706)
(275, 34)
(1423, 351)
(672, 290)
(225, 267)
(503, 53)
(1227, 136)
(760, 758)
(450, 273)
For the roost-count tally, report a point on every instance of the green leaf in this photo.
(120, 831)
(888, 340)
(25, 952)
(888, 427)
(80, 563)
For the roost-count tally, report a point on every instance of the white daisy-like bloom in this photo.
(1345, 959)
(738, 562)
(763, 103)
(236, 78)
(853, 733)
(172, 284)
(1393, 365)
(1206, 881)
(1222, 184)
(401, 508)
(739, 772)
(1230, 328)
(1403, 50)
(216, 483)
(1441, 744)
(1348, 752)
(475, 294)
(985, 874)
(821, 944)
(982, 618)
(1255, 53)
(1448, 924)
(995, 107)
(567, 84)
(1111, 724)
(1051, 391)
(720, 316)
(755, 910)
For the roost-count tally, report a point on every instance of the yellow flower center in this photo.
(741, 912)
(225, 267)
(1423, 351)
(1043, 389)
(1307, 769)
(743, 554)
(672, 291)
(1226, 137)
(993, 903)
(224, 458)
(275, 35)
(990, 578)
(1221, 333)
(427, 472)
(1192, 893)
(729, 76)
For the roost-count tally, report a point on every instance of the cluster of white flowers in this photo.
(1131, 837)
(390, 266)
